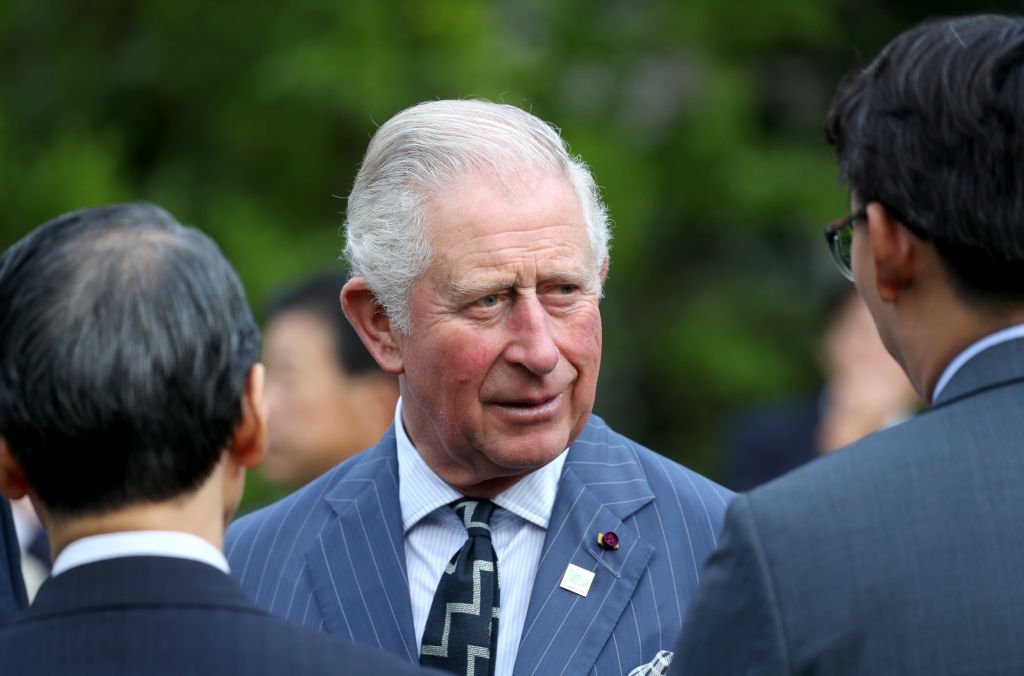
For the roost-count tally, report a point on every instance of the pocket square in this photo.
(656, 667)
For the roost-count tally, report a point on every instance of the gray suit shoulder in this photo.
(853, 546)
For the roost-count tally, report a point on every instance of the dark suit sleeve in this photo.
(12, 587)
(733, 625)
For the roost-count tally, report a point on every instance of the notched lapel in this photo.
(357, 564)
(566, 632)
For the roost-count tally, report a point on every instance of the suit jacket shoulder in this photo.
(275, 538)
(157, 615)
(901, 553)
(331, 556)
(607, 462)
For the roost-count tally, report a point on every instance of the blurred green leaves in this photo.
(700, 120)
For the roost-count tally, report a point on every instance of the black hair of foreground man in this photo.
(130, 408)
(125, 343)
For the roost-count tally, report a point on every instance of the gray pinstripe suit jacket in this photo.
(332, 556)
(900, 554)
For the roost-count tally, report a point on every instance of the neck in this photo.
(200, 513)
(940, 333)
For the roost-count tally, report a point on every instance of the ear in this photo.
(603, 274)
(248, 443)
(372, 325)
(893, 248)
(13, 483)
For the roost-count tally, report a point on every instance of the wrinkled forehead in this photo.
(517, 179)
(517, 228)
(520, 198)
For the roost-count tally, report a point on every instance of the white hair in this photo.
(428, 147)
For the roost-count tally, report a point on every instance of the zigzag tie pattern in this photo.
(462, 628)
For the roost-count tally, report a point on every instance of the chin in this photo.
(542, 452)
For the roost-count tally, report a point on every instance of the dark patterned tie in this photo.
(462, 628)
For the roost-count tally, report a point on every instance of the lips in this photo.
(533, 407)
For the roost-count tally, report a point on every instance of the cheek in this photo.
(311, 402)
(583, 343)
(312, 393)
(466, 358)
(449, 372)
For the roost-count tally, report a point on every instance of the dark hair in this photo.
(125, 344)
(319, 297)
(933, 129)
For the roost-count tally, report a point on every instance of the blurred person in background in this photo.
(865, 390)
(479, 249)
(130, 409)
(904, 552)
(34, 545)
(13, 598)
(327, 399)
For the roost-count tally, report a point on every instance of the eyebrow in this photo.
(464, 291)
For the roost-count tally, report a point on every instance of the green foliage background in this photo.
(700, 119)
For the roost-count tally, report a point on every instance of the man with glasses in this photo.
(904, 552)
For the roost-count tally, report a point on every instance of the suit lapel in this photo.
(357, 564)
(565, 631)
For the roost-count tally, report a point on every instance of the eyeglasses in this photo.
(839, 236)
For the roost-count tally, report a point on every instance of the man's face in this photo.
(500, 365)
(313, 407)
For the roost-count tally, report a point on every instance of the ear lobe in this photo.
(248, 444)
(13, 482)
(893, 248)
(372, 325)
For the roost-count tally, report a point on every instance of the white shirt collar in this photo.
(991, 340)
(25, 527)
(138, 543)
(421, 491)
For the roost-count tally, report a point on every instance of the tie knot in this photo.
(475, 515)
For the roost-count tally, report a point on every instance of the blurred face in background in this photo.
(317, 415)
(867, 388)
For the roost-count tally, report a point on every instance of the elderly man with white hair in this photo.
(479, 247)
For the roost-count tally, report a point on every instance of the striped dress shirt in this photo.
(433, 532)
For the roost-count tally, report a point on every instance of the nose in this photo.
(533, 343)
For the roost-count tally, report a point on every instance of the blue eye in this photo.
(489, 301)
